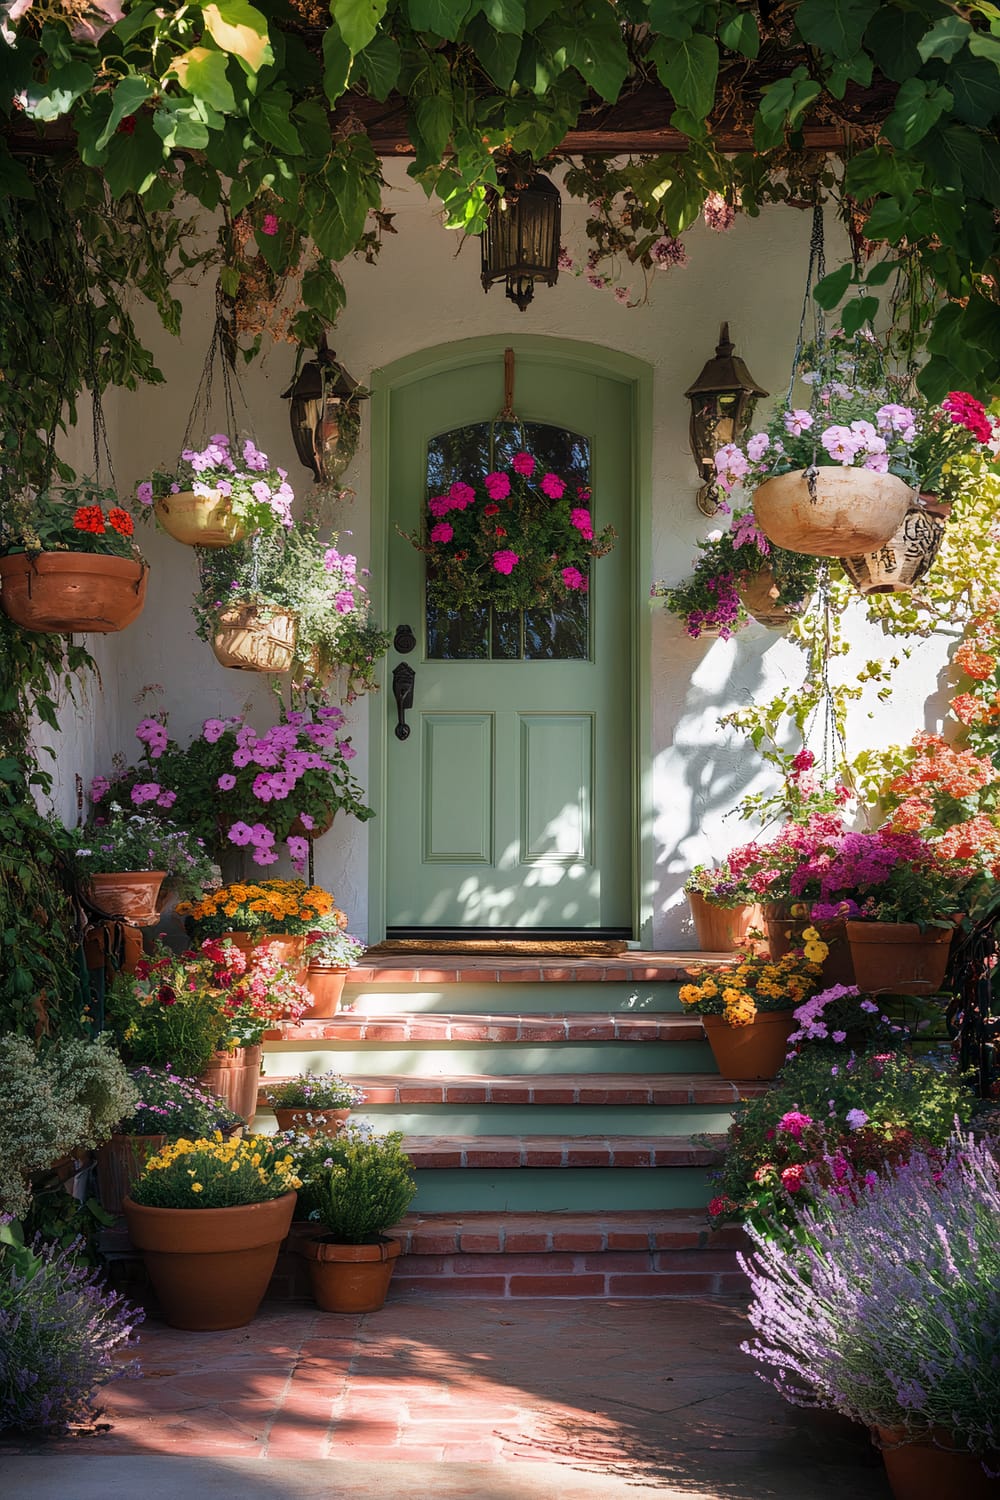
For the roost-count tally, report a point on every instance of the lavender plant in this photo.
(889, 1311)
(59, 1334)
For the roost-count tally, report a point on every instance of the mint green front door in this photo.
(509, 802)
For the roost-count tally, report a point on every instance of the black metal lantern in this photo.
(325, 415)
(520, 244)
(722, 406)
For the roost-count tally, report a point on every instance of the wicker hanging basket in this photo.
(253, 641)
(906, 557)
(831, 512)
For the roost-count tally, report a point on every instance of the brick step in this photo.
(635, 967)
(584, 1026)
(557, 1152)
(661, 1089)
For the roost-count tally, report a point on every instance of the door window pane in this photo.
(554, 632)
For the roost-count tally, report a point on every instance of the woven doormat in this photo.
(502, 947)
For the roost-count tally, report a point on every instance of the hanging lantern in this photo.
(325, 414)
(722, 406)
(520, 244)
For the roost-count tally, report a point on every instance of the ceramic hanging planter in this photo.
(131, 895)
(199, 520)
(254, 641)
(65, 593)
(759, 596)
(906, 557)
(831, 511)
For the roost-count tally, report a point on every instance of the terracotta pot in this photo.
(65, 592)
(250, 642)
(785, 933)
(210, 1266)
(351, 1278)
(119, 1162)
(831, 512)
(311, 1121)
(759, 596)
(326, 986)
(290, 948)
(721, 929)
(905, 559)
(129, 894)
(898, 957)
(199, 520)
(935, 1469)
(114, 946)
(234, 1078)
(754, 1051)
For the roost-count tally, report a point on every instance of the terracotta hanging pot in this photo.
(199, 520)
(210, 1266)
(310, 1121)
(759, 596)
(906, 557)
(234, 1078)
(251, 641)
(722, 929)
(897, 957)
(936, 1467)
(320, 826)
(831, 512)
(785, 933)
(63, 593)
(351, 1278)
(326, 986)
(119, 1162)
(129, 894)
(754, 1051)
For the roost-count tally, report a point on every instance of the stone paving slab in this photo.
(460, 1401)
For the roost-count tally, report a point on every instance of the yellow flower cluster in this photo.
(185, 1167)
(756, 983)
(268, 904)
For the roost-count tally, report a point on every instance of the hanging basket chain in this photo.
(201, 407)
(506, 413)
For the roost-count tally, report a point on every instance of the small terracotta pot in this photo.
(935, 1469)
(311, 1121)
(234, 1077)
(351, 1278)
(199, 520)
(721, 929)
(326, 986)
(754, 1051)
(129, 894)
(119, 1162)
(785, 933)
(61, 593)
(898, 958)
(252, 642)
(210, 1266)
(831, 511)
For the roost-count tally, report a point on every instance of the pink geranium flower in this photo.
(497, 485)
(524, 464)
(574, 579)
(505, 561)
(553, 486)
(442, 532)
(581, 519)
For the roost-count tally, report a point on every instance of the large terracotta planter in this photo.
(831, 512)
(234, 1077)
(897, 957)
(250, 641)
(351, 1278)
(129, 894)
(326, 986)
(754, 1051)
(62, 593)
(721, 929)
(785, 933)
(759, 596)
(199, 520)
(906, 557)
(119, 1162)
(311, 1121)
(210, 1266)
(935, 1469)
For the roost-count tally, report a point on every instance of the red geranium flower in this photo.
(89, 518)
(121, 521)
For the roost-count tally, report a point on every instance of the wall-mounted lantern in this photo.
(722, 399)
(325, 415)
(520, 244)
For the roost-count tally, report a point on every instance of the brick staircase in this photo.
(562, 1118)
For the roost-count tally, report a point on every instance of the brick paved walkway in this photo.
(643, 1393)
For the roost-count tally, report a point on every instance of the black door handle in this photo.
(403, 678)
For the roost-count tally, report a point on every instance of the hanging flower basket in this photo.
(254, 641)
(759, 594)
(831, 512)
(906, 557)
(62, 593)
(199, 520)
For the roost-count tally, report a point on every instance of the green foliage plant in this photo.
(314, 1091)
(366, 1189)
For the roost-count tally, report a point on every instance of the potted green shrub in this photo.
(366, 1187)
(209, 1217)
(313, 1103)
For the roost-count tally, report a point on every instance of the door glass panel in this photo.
(555, 632)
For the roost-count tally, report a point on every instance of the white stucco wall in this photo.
(423, 292)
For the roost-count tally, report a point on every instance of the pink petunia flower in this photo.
(226, 782)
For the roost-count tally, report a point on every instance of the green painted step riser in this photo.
(493, 999)
(540, 1119)
(579, 1189)
(436, 1059)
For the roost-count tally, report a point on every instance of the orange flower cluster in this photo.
(941, 767)
(89, 518)
(121, 521)
(975, 662)
(977, 839)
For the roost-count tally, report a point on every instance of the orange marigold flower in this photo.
(974, 662)
(121, 521)
(89, 518)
